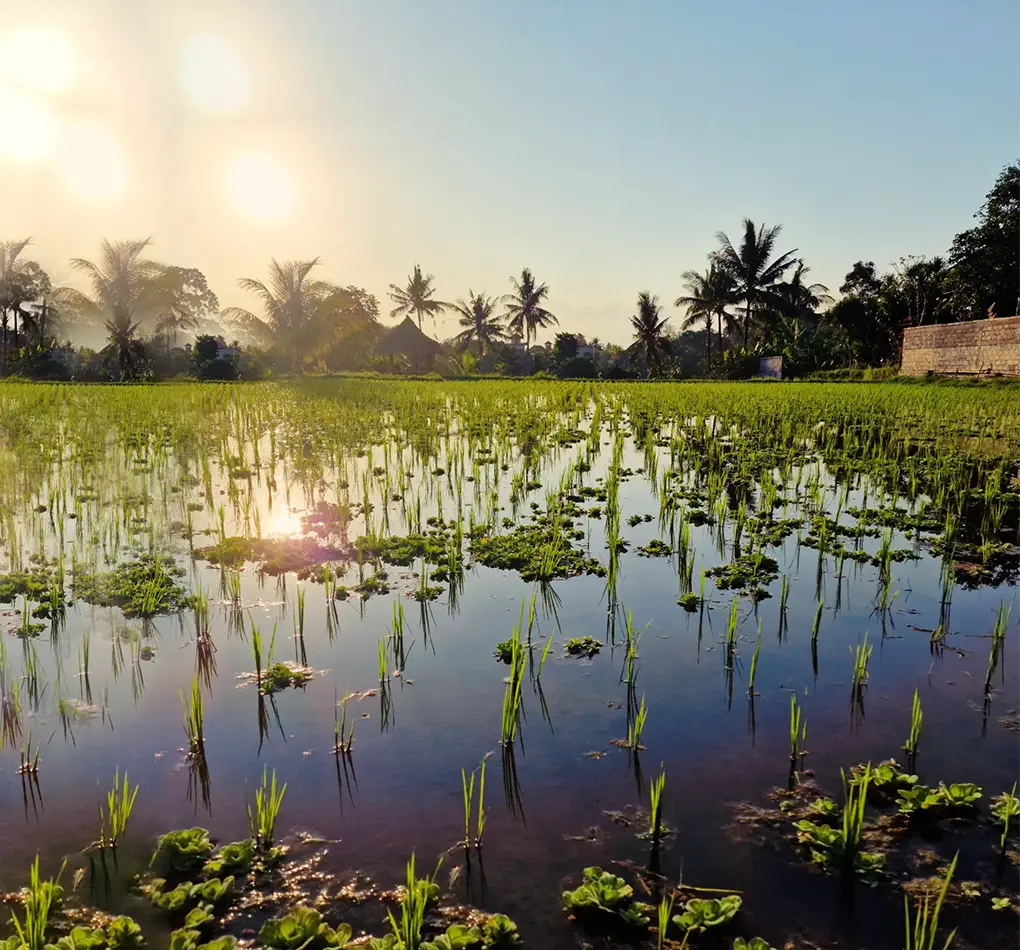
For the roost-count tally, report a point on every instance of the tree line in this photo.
(753, 298)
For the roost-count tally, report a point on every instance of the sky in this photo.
(602, 143)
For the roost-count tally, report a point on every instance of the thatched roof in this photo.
(407, 340)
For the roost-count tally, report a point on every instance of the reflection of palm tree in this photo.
(524, 311)
(416, 298)
(754, 272)
(303, 317)
(708, 295)
(481, 326)
(649, 331)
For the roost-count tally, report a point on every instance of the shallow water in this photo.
(718, 746)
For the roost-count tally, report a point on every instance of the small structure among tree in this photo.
(405, 339)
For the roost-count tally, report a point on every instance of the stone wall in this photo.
(975, 346)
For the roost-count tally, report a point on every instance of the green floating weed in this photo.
(701, 913)
(582, 646)
(601, 895)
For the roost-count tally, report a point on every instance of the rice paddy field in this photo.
(454, 664)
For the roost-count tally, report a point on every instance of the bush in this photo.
(577, 367)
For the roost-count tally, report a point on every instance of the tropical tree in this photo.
(302, 318)
(22, 281)
(650, 329)
(525, 313)
(184, 299)
(985, 259)
(124, 284)
(925, 286)
(753, 268)
(417, 298)
(481, 325)
(124, 347)
(796, 302)
(708, 295)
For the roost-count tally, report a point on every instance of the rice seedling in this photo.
(636, 726)
(861, 655)
(468, 788)
(916, 718)
(817, 621)
(754, 663)
(194, 719)
(29, 758)
(418, 893)
(120, 802)
(921, 932)
(664, 912)
(798, 731)
(263, 815)
(40, 900)
(657, 787)
(343, 741)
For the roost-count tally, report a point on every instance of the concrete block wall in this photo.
(975, 346)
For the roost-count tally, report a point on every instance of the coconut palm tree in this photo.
(650, 329)
(481, 325)
(301, 316)
(708, 295)
(754, 271)
(525, 314)
(123, 346)
(21, 281)
(124, 284)
(416, 298)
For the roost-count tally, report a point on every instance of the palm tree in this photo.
(416, 298)
(754, 272)
(481, 326)
(708, 295)
(302, 317)
(12, 293)
(124, 284)
(649, 331)
(524, 311)
(123, 345)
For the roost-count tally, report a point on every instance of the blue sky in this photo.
(601, 143)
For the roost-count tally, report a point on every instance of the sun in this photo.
(259, 187)
(37, 58)
(212, 75)
(91, 161)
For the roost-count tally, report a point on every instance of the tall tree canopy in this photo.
(525, 310)
(417, 298)
(650, 329)
(754, 268)
(481, 326)
(986, 258)
(302, 318)
(708, 297)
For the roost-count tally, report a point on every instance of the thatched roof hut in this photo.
(405, 339)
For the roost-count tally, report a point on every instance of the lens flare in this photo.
(91, 161)
(213, 76)
(29, 127)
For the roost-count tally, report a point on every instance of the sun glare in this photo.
(259, 187)
(284, 523)
(29, 127)
(213, 76)
(91, 162)
(38, 58)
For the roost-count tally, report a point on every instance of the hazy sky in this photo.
(600, 142)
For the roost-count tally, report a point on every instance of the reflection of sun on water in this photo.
(284, 523)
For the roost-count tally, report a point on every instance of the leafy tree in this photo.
(416, 298)
(302, 318)
(985, 259)
(650, 329)
(708, 295)
(22, 281)
(564, 347)
(481, 325)
(525, 312)
(124, 347)
(753, 268)
(184, 298)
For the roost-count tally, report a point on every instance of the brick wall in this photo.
(975, 346)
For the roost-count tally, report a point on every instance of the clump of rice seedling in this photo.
(916, 718)
(194, 719)
(120, 801)
(418, 894)
(798, 732)
(920, 933)
(861, 654)
(657, 787)
(343, 741)
(41, 898)
(262, 818)
(468, 788)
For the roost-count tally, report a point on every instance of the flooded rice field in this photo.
(617, 664)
